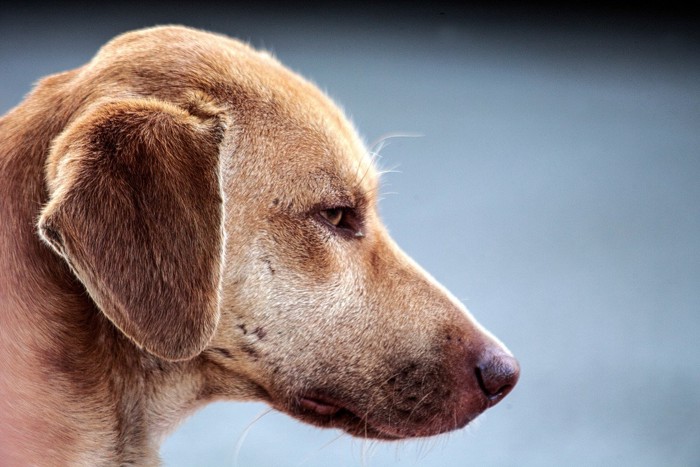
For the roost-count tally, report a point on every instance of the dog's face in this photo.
(270, 250)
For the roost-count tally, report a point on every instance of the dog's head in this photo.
(219, 208)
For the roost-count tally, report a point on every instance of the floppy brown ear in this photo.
(136, 209)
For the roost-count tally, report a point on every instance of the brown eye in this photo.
(343, 221)
(334, 216)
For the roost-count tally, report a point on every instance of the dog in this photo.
(185, 220)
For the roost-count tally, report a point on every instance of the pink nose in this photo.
(497, 374)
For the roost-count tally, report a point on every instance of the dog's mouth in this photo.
(319, 406)
(329, 412)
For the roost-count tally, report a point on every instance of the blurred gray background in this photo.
(555, 189)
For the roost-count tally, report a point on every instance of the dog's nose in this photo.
(497, 375)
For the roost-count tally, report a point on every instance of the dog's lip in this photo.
(326, 411)
(331, 409)
(320, 406)
(331, 412)
(324, 405)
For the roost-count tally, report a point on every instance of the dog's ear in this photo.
(136, 209)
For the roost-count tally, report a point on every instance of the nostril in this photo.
(497, 376)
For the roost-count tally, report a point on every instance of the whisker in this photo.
(367, 169)
(389, 171)
(375, 154)
(244, 434)
(382, 140)
(368, 449)
(312, 454)
(426, 445)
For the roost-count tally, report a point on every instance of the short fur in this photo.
(165, 243)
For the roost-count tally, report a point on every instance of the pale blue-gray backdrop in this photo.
(555, 189)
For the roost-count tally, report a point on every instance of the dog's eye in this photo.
(334, 216)
(343, 220)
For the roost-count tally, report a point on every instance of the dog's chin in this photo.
(325, 412)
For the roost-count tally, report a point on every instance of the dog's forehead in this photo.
(298, 133)
(308, 160)
(335, 169)
(328, 149)
(288, 131)
(314, 130)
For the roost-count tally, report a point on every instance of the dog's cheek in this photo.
(297, 309)
(300, 247)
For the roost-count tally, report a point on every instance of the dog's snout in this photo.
(497, 374)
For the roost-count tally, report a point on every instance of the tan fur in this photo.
(163, 245)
